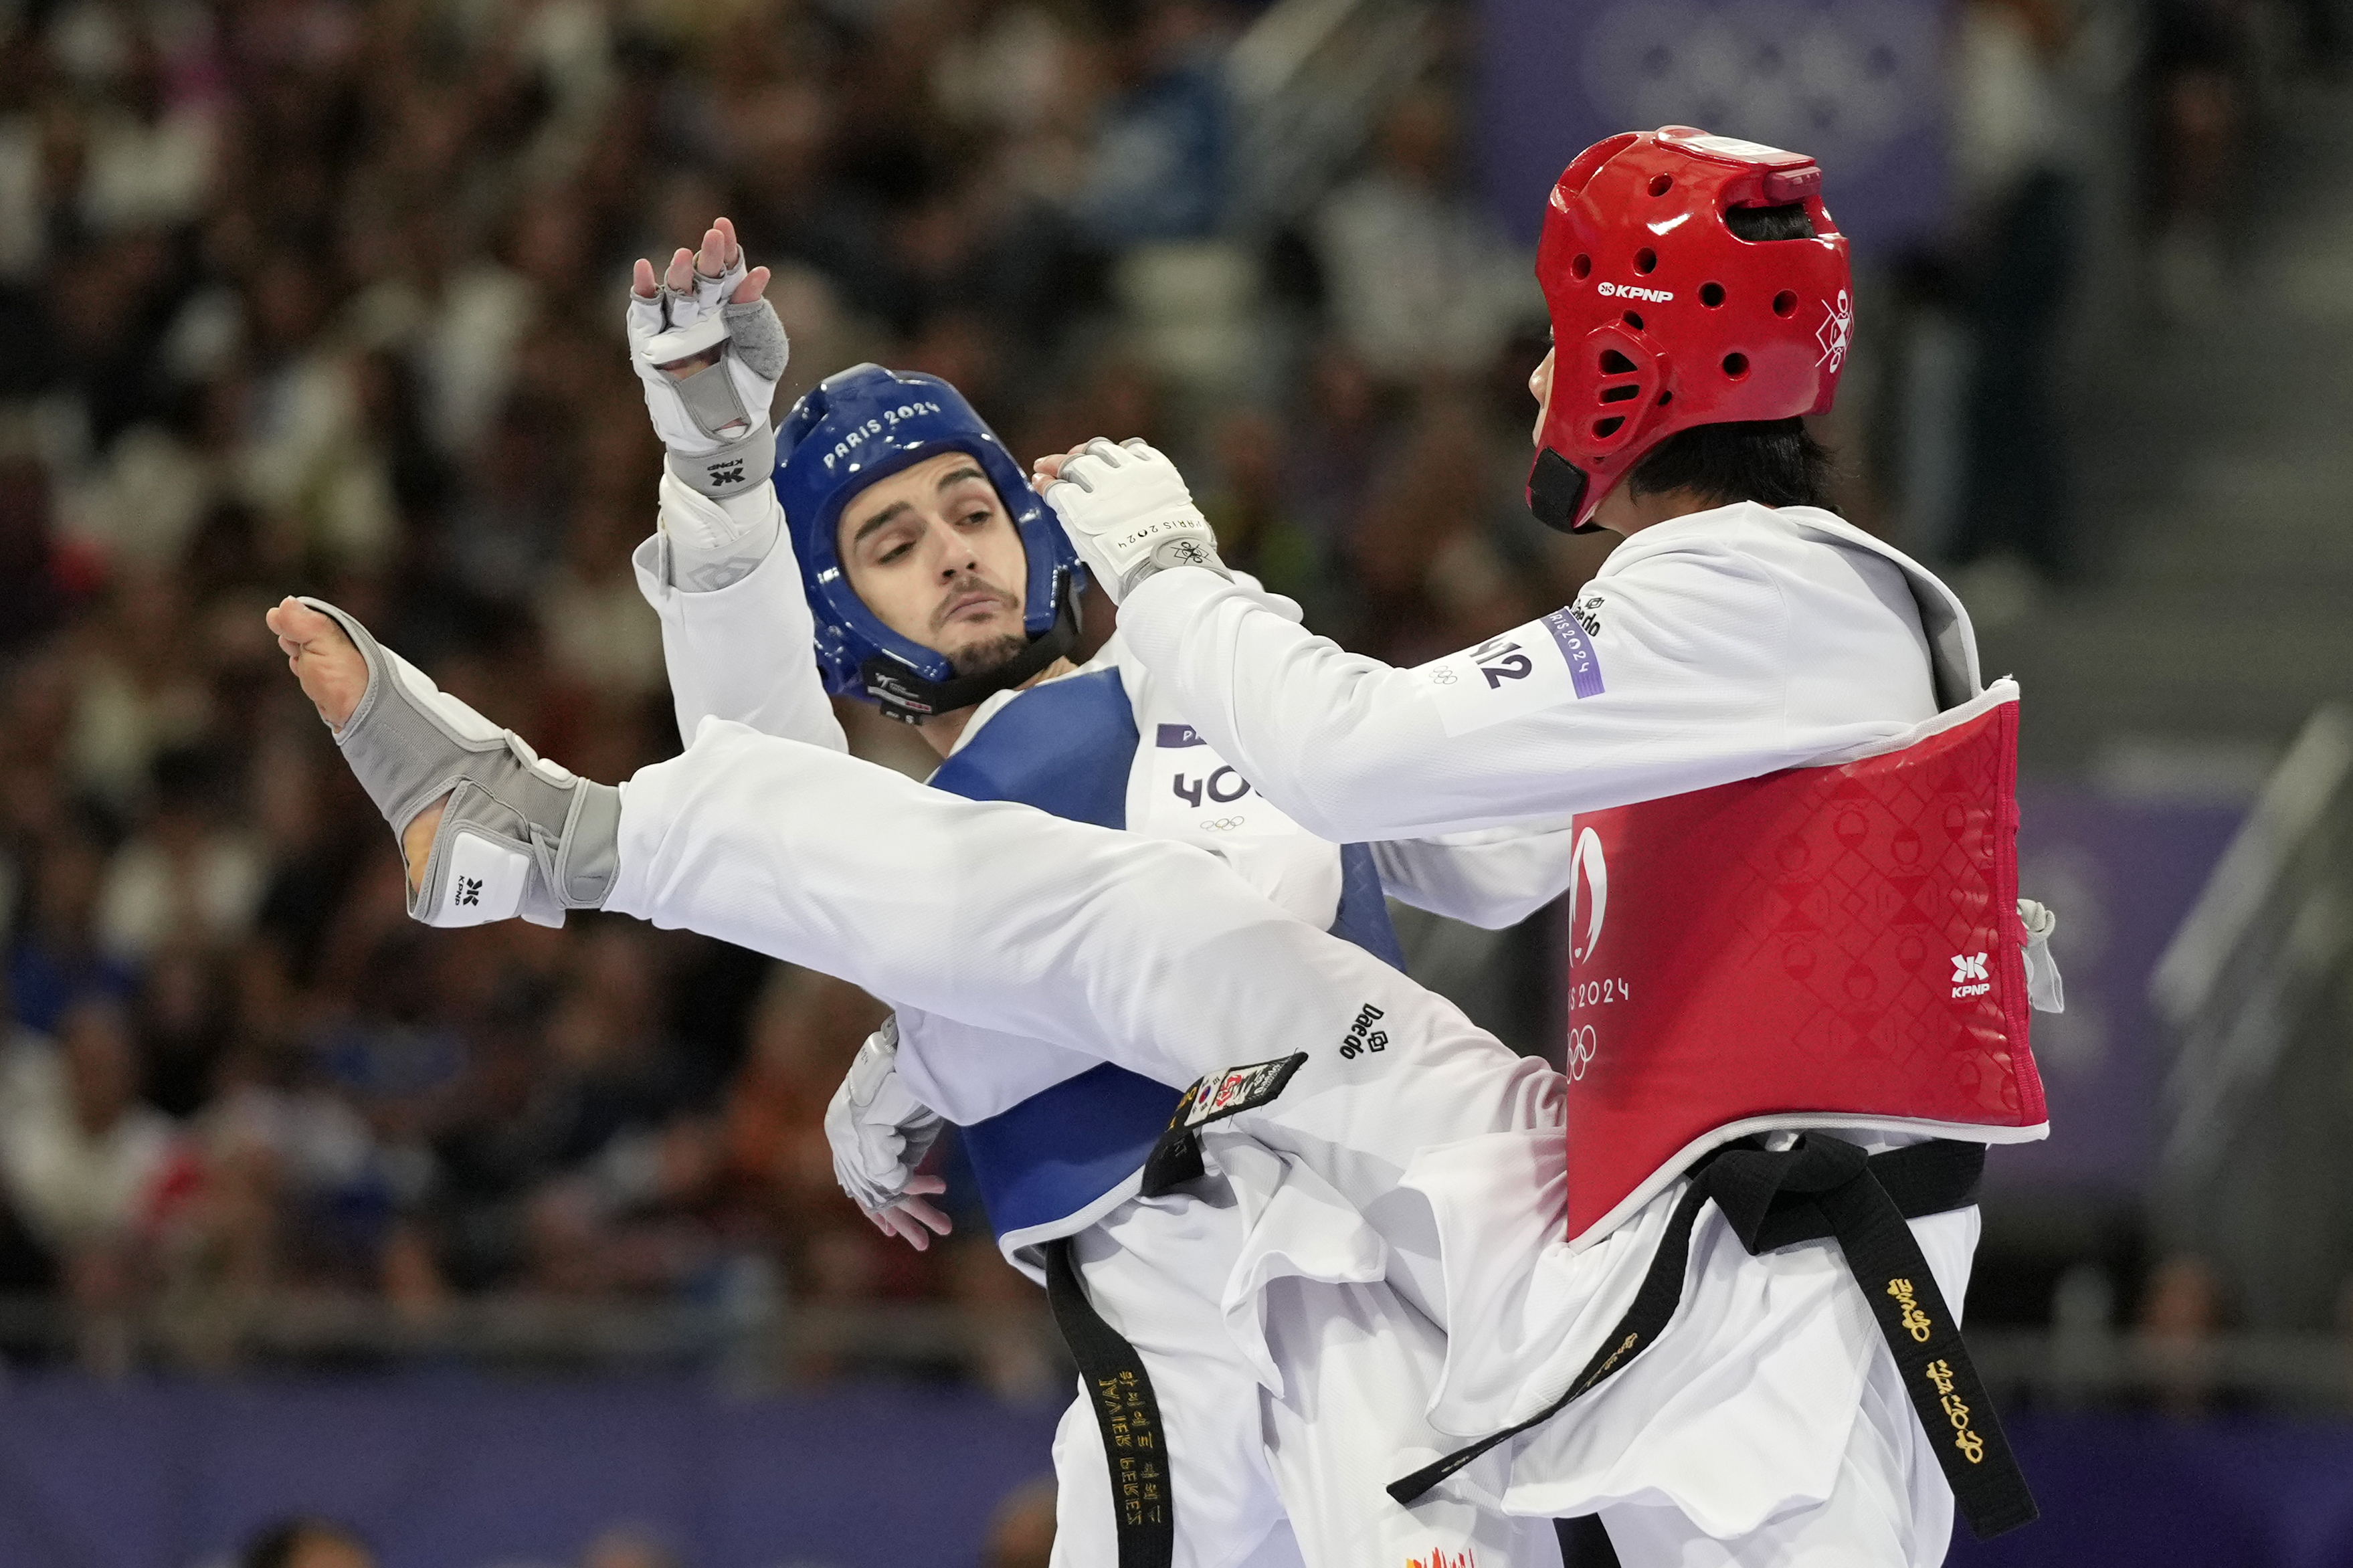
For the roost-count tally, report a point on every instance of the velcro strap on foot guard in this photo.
(521, 836)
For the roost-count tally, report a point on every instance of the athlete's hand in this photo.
(2044, 988)
(1048, 469)
(721, 257)
(709, 349)
(880, 1133)
(1128, 512)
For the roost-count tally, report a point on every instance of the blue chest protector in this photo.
(1068, 748)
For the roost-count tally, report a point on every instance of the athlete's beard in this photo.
(984, 657)
(992, 653)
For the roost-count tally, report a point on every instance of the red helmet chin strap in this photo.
(1664, 319)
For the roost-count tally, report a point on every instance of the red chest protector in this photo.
(1823, 946)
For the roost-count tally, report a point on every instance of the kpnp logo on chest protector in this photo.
(1822, 946)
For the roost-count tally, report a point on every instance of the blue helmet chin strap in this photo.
(861, 426)
(911, 699)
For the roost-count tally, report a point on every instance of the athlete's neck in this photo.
(943, 730)
(1623, 512)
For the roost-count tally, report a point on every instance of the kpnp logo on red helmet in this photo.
(1668, 209)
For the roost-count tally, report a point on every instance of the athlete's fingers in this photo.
(928, 1215)
(681, 277)
(907, 1230)
(754, 284)
(1049, 468)
(641, 279)
(719, 249)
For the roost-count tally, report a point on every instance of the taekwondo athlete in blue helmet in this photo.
(901, 558)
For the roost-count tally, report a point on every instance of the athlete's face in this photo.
(932, 550)
(1540, 388)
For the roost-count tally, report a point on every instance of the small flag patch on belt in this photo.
(1175, 1159)
(1223, 1094)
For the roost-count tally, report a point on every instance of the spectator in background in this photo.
(2183, 1310)
(1427, 559)
(27, 1066)
(1337, 440)
(92, 1172)
(1158, 169)
(190, 872)
(184, 1015)
(2195, 108)
(32, 589)
(57, 957)
(1249, 505)
(630, 1546)
(1021, 1531)
(2019, 205)
(1420, 279)
(84, 1161)
(306, 1541)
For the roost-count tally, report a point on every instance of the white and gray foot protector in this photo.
(522, 836)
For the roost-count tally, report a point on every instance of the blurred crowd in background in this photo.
(309, 296)
(321, 296)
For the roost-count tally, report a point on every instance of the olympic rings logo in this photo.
(1221, 824)
(1582, 1042)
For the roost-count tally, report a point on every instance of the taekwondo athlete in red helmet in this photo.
(1796, 973)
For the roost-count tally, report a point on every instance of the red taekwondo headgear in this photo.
(1662, 318)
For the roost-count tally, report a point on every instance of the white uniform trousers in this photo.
(1890, 1505)
(1262, 1479)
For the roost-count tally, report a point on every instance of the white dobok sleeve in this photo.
(1491, 877)
(1119, 947)
(1114, 946)
(746, 652)
(1676, 683)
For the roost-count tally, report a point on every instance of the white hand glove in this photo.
(2044, 990)
(713, 415)
(1128, 513)
(880, 1133)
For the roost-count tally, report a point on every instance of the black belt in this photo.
(1135, 1441)
(1821, 1188)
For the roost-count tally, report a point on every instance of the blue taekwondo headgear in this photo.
(864, 423)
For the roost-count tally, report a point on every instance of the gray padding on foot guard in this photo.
(409, 743)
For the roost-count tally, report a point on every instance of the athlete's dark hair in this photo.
(1775, 462)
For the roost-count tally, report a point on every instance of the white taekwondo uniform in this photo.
(1280, 1439)
(1764, 1425)
(1720, 646)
